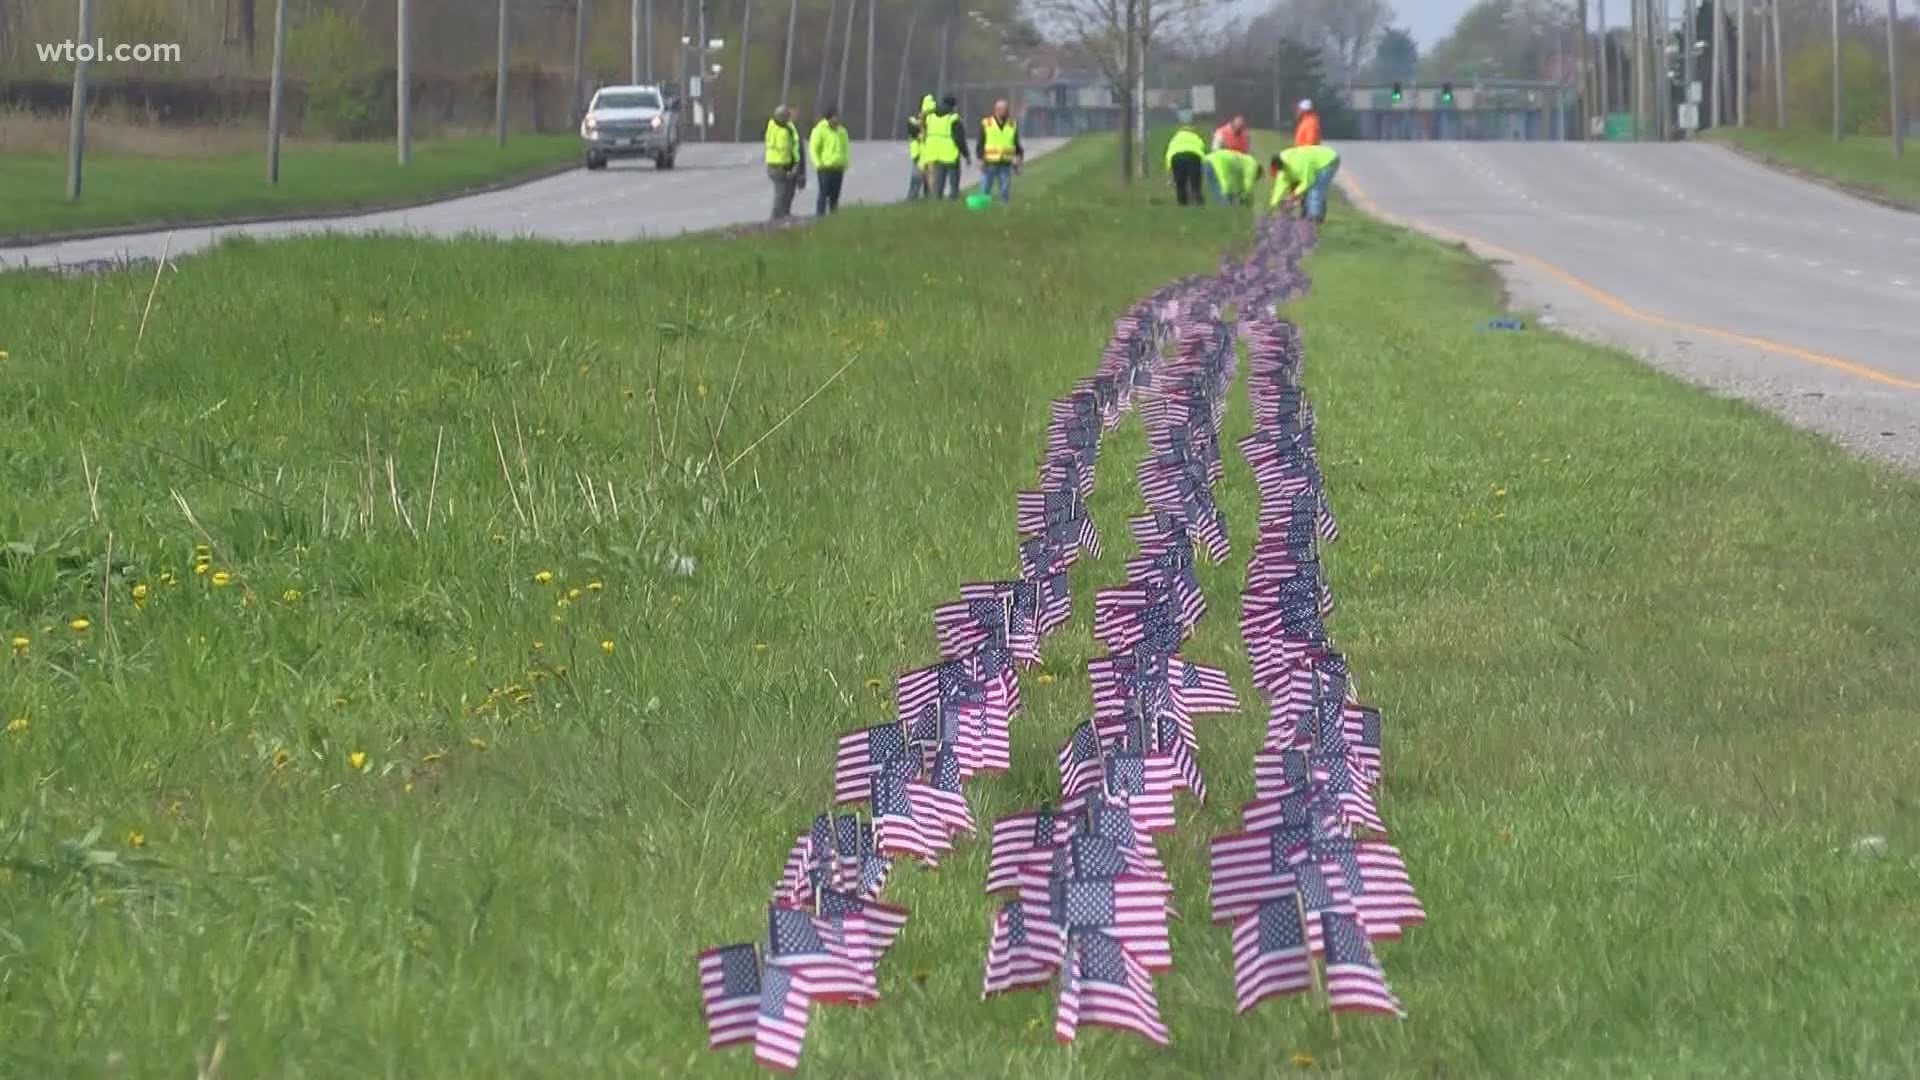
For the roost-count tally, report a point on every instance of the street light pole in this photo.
(1834, 6)
(77, 120)
(500, 81)
(1893, 73)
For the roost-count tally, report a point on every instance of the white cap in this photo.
(1306, 105)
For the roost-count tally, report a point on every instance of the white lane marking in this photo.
(1814, 263)
(1853, 273)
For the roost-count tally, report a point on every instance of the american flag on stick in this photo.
(825, 966)
(1355, 982)
(1106, 986)
(1270, 957)
(898, 828)
(860, 755)
(1025, 950)
(780, 1021)
(730, 994)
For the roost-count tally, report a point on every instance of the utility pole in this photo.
(872, 6)
(846, 56)
(652, 75)
(706, 75)
(633, 41)
(1638, 103)
(1277, 126)
(276, 92)
(1584, 81)
(500, 81)
(1606, 62)
(1893, 74)
(1779, 72)
(946, 37)
(786, 68)
(579, 60)
(1687, 66)
(1144, 37)
(826, 51)
(1834, 6)
(77, 119)
(1740, 66)
(1719, 63)
(906, 62)
(740, 85)
(1126, 82)
(403, 89)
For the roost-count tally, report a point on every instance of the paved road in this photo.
(713, 185)
(1722, 270)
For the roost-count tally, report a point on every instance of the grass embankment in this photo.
(1864, 165)
(134, 190)
(1647, 657)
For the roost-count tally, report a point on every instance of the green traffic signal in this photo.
(1396, 93)
(1446, 94)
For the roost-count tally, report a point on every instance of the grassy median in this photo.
(1861, 164)
(124, 190)
(533, 584)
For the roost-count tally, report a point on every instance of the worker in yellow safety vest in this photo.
(1186, 160)
(945, 148)
(1000, 151)
(828, 144)
(1304, 170)
(786, 161)
(1232, 175)
(919, 184)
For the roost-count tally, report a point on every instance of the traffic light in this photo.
(1397, 94)
(1446, 93)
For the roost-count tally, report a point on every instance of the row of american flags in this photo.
(1085, 899)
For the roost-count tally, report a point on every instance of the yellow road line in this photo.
(1620, 307)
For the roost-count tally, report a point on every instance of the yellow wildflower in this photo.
(291, 596)
(701, 389)
(1045, 678)
(136, 838)
(432, 757)
(167, 578)
(202, 551)
(221, 578)
(573, 594)
(140, 593)
(199, 567)
(281, 758)
(477, 744)
(594, 586)
(18, 725)
(357, 760)
(607, 646)
(584, 369)
(3, 354)
(873, 684)
(79, 624)
(1499, 493)
(543, 577)
(538, 644)
(21, 642)
(759, 646)
(563, 602)
(1301, 1059)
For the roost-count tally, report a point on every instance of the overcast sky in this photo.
(1429, 20)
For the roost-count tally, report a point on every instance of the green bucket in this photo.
(979, 200)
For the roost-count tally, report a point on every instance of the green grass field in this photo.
(374, 795)
(129, 190)
(1862, 164)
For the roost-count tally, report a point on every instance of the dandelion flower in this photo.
(221, 578)
(432, 757)
(79, 624)
(140, 593)
(759, 646)
(200, 568)
(291, 596)
(21, 642)
(3, 354)
(136, 839)
(573, 594)
(357, 760)
(202, 551)
(1045, 678)
(594, 586)
(1499, 493)
(607, 646)
(538, 645)
(584, 368)
(281, 759)
(701, 389)
(873, 684)
(18, 725)
(543, 577)
(167, 578)
(563, 602)
(1301, 1059)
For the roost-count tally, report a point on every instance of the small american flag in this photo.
(1376, 877)
(1355, 982)
(1200, 688)
(942, 801)
(1017, 841)
(897, 829)
(823, 966)
(1270, 955)
(860, 755)
(1132, 909)
(1106, 986)
(1025, 951)
(780, 1021)
(1250, 868)
(1079, 761)
(883, 921)
(729, 994)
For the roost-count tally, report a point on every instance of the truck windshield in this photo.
(631, 100)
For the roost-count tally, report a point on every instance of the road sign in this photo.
(1202, 102)
(1690, 116)
(1695, 93)
(693, 86)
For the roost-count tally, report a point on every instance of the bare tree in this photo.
(1097, 31)
(1346, 30)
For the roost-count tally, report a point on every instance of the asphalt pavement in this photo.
(1716, 268)
(713, 185)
